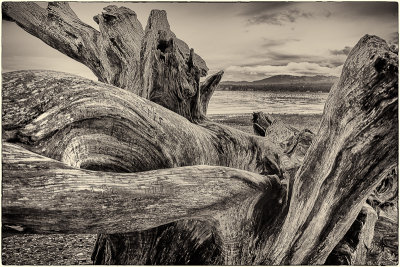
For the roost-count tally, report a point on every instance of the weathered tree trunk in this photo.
(371, 88)
(353, 248)
(154, 63)
(93, 126)
(359, 125)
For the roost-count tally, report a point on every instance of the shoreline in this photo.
(243, 121)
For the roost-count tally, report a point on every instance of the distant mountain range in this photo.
(282, 83)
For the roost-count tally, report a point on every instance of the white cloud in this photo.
(244, 52)
(292, 68)
(63, 64)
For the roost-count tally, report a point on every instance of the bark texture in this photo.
(152, 63)
(294, 143)
(357, 243)
(91, 125)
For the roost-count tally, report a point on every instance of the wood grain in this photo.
(46, 196)
(349, 157)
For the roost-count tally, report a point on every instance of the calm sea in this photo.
(234, 102)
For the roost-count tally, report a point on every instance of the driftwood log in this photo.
(56, 125)
(101, 128)
(95, 126)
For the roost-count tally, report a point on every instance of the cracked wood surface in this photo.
(92, 125)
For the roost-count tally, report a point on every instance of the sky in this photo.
(249, 41)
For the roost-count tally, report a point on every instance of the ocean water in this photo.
(237, 102)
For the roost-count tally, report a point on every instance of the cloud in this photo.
(332, 62)
(292, 68)
(286, 57)
(327, 13)
(345, 51)
(279, 18)
(277, 58)
(253, 9)
(282, 13)
(379, 9)
(278, 42)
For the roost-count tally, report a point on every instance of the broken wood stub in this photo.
(152, 63)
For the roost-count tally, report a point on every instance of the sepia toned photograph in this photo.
(200, 133)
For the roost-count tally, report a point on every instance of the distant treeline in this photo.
(325, 87)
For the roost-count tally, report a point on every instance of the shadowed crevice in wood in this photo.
(182, 242)
(354, 246)
(82, 121)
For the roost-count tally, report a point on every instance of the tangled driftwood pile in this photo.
(162, 183)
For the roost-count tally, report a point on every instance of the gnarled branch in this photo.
(92, 125)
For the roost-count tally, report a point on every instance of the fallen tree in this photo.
(69, 119)
(85, 124)
(284, 218)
